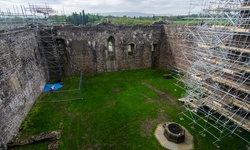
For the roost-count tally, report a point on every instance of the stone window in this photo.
(153, 48)
(61, 49)
(111, 44)
(111, 48)
(131, 48)
(61, 45)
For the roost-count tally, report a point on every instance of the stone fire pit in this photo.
(174, 132)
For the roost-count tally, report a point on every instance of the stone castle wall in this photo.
(175, 50)
(87, 48)
(21, 79)
(22, 74)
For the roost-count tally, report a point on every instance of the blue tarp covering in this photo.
(47, 87)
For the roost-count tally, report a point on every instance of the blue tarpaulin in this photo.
(47, 87)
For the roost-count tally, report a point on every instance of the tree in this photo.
(84, 19)
(154, 18)
(80, 18)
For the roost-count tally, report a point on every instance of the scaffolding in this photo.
(42, 19)
(29, 16)
(218, 76)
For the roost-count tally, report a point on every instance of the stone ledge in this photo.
(53, 137)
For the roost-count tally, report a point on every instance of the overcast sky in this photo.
(176, 7)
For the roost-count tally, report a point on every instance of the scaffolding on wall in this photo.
(218, 74)
(42, 18)
(24, 17)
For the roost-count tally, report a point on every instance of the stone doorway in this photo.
(154, 53)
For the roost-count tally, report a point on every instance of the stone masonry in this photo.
(93, 49)
(21, 79)
(87, 48)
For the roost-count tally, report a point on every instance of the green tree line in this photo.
(82, 18)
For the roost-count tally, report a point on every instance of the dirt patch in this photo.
(148, 126)
(165, 97)
(111, 103)
(149, 100)
(64, 110)
(68, 113)
(116, 90)
(96, 146)
(172, 102)
(153, 88)
(85, 116)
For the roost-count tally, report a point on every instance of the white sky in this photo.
(176, 7)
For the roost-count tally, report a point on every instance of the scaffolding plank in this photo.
(231, 28)
(236, 67)
(241, 104)
(244, 50)
(228, 99)
(214, 105)
(235, 85)
(242, 8)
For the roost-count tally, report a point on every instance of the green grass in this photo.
(119, 110)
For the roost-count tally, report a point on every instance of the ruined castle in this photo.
(30, 58)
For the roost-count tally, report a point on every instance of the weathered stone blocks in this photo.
(21, 79)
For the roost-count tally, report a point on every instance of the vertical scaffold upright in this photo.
(46, 41)
(218, 74)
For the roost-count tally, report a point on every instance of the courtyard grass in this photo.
(119, 110)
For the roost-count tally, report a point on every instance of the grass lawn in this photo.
(119, 110)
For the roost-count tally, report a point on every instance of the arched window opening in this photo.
(110, 47)
(61, 45)
(111, 44)
(61, 49)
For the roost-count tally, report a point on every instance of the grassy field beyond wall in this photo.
(119, 110)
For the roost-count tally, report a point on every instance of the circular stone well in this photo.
(186, 145)
(174, 132)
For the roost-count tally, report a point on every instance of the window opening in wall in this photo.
(154, 46)
(131, 48)
(61, 46)
(154, 55)
(61, 49)
(110, 46)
